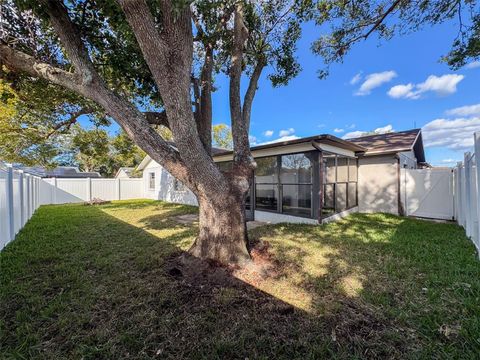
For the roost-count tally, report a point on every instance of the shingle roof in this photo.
(389, 142)
(59, 172)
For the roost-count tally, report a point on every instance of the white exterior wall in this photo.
(154, 167)
(164, 186)
(378, 184)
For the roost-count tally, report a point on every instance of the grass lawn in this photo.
(96, 282)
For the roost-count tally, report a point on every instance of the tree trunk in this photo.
(223, 232)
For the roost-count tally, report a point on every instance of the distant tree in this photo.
(91, 149)
(124, 152)
(222, 136)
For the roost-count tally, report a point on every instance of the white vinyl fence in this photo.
(21, 194)
(467, 189)
(61, 191)
(19, 198)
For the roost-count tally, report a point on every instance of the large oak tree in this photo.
(117, 57)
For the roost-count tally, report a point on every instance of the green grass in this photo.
(92, 282)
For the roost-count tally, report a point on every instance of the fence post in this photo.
(22, 198)
(117, 187)
(468, 203)
(89, 189)
(477, 162)
(54, 190)
(10, 209)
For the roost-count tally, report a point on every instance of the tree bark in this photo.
(222, 229)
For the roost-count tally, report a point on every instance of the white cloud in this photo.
(381, 130)
(252, 139)
(356, 78)
(441, 85)
(468, 110)
(453, 134)
(321, 126)
(449, 161)
(281, 139)
(353, 134)
(473, 65)
(403, 91)
(268, 133)
(337, 130)
(350, 126)
(286, 132)
(375, 80)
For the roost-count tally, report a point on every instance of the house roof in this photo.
(323, 138)
(58, 172)
(377, 144)
(393, 142)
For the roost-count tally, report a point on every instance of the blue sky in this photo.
(426, 93)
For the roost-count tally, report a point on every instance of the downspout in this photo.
(401, 210)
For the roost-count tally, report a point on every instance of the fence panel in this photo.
(19, 194)
(105, 189)
(467, 185)
(130, 189)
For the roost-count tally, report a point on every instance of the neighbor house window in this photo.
(178, 185)
(339, 183)
(284, 184)
(151, 181)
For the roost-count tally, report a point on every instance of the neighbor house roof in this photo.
(394, 142)
(126, 170)
(58, 172)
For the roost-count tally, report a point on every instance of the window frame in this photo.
(324, 183)
(312, 156)
(151, 180)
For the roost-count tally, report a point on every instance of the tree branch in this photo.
(69, 122)
(19, 61)
(251, 90)
(70, 37)
(242, 155)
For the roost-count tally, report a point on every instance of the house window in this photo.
(178, 185)
(339, 184)
(151, 181)
(284, 184)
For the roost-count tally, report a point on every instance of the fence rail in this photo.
(467, 191)
(21, 194)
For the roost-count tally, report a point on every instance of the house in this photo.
(125, 173)
(314, 179)
(58, 172)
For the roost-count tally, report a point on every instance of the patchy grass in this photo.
(95, 282)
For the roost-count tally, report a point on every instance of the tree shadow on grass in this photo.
(110, 290)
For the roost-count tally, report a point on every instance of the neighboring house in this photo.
(313, 179)
(58, 172)
(126, 173)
